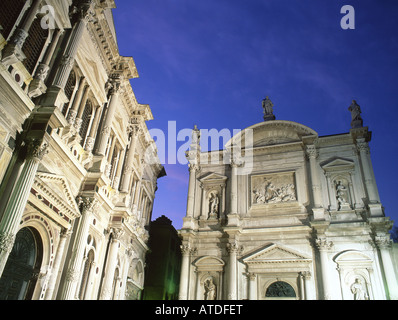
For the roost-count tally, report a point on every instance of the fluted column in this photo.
(111, 263)
(93, 130)
(252, 286)
(69, 55)
(37, 86)
(83, 102)
(134, 130)
(57, 263)
(232, 249)
(367, 169)
(106, 128)
(184, 276)
(323, 246)
(9, 223)
(193, 170)
(72, 114)
(318, 210)
(384, 245)
(88, 206)
(234, 188)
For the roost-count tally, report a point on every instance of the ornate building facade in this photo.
(283, 213)
(78, 167)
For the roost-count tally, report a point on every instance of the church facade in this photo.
(283, 213)
(78, 168)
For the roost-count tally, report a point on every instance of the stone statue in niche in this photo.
(214, 204)
(359, 291)
(341, 196)
(267, 192)
(210, 289)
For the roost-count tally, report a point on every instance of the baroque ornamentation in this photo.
(312, 152)
(6, 241)
(323, 244)
(273, 189)
(36, 149)
(87, 204)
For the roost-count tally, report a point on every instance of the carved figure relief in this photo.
(273, 189)
(342, 195)
(210, 289)
(359, 291)
(214, 204)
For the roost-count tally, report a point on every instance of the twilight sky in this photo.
(211, 62)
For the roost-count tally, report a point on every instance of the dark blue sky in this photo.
(211, 62)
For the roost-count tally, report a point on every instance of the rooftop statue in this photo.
(268, 107)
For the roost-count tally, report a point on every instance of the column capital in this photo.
(311, 151)
(323, 244)
(383, 242)
(362, 146)
(187, 250)
(83, 10)
(36, 149)
(87, 204)
(234, 248)
(117, 234)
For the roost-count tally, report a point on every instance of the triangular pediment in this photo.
(213, 177)
(337, 163)
(57, 190)
(274, 253)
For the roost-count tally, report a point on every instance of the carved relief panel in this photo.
(273, 188)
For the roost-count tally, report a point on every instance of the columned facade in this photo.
(75, 185)
(293, 216)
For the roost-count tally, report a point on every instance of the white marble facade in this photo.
(297, 216)
(78, 167)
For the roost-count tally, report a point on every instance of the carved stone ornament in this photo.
(87, 204)
(36, 149)
(6, 242)
(312, 152)
(323, 244)
(276, 188)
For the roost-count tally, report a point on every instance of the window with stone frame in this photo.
(9, 14)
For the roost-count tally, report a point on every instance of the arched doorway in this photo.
(23, 266)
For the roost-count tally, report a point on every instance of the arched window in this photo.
(18, 280)
(280, 289)
(34, 45)
(9, 14)
(86, 119)
(69, 88)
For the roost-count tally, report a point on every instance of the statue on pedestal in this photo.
(268, 108)
(356, 119)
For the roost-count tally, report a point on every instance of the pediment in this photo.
(273, 133)
(337, 164)
(274, 253)
(213, 177)
(209, 263)
(56, 190)
(352, 257)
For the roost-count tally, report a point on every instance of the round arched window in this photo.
(280, 289)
